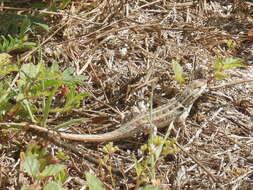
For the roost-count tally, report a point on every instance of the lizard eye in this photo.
(181, 108)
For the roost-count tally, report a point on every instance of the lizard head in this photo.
(192, 92)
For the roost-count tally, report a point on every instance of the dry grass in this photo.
(122, 46)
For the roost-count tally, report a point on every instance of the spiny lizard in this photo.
(177, 109)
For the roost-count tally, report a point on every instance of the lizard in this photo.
(177, 109)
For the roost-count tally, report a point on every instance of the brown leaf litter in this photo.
(125, 47)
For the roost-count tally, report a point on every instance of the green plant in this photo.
(19, 25)
(40, 91)
(15, 30)
(155, 150)
(109, 150)
(231, 44)
(178, 71)
(36, 162)
(222, 64)
(95, 184)
(6, 66)
(11, 44)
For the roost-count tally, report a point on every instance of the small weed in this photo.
(40, 91)
(231, 44)
(109, 150)
(178, 71)
(6, 66)
(20, 25)
(36, 163)
(222, 64)
(15, 30)
(95, 184)
(155, 150)
(11, 44)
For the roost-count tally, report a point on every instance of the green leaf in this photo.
(29, 71)
(40, 154)
(74, 99)
(52, 170)
(62, 176)
(28, 75)
(217, 65)
(93, 182)
(221, 64)
(31, 165)
(47, 105)
(5, 59)
(61, 155)
(51, 73)
(40, 88)
(231, 44)
(38, 5)
(44, 26)
(138, 167)
(5, 70)
(53, 186)
(69, 77)
(28, 107)
(178, 71)
(109, 148)
(221, 75)
(29, 44)
(13, 44)
(150, 187)
(232, 62)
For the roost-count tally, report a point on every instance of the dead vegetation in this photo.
(123, 47)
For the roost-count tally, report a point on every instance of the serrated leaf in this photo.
(29, 70)
(93, 182)
(178, 71)
(40, 88)
(74, 99)
(69, 77)
(53, 186)
(52, 170)
(31, 165)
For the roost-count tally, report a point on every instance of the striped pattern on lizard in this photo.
(177, 109)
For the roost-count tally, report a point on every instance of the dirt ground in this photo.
(121, 46)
